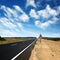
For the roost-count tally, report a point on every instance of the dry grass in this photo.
(11, 40)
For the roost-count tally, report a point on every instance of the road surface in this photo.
(8, 51)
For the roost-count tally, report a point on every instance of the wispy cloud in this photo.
(7, 23)
(20, 25)
(30, 3)
(23, 16)
(9, 33)
(15, 13)
(56, 35)
(13, 16)
(18, 8)
(29, 33)
(12, 20)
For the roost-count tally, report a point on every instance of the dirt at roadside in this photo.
(46, 50)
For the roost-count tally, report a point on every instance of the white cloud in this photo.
(47, 23)
(58, 9)
(7, 23)
(48, 14)
(51, 11)
(55, 35)
(12, 20)
(20, 25)
(45, 13)
(24, 33)
(9, 11)
(30, 3)
(28, 33)
(24, 18)
(15, 13)
(8, 33)
(4, 8)
(33, 14)
(18, 9)
(52, 35)
(42, 13)
(12, 12)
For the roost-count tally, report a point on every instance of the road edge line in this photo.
(22, 51)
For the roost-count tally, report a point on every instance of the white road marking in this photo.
(22, 51)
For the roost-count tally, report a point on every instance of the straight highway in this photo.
(8, 51)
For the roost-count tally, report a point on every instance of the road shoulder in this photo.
(42, 51)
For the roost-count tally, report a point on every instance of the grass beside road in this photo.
(6, 40)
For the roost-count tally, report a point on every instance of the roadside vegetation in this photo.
(2, 39)
(50, 38)
(5, 40)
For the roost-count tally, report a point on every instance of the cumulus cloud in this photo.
(45, 13)
(51, 11)
(47, 23)
(24, 18)
(30, 3)
(33, 14)
(49, 14)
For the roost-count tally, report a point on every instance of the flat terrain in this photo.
(46, 50)
(5, 40)
(8, 51)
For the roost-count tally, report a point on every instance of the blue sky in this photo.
(29, 18)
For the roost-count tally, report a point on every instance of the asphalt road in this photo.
(8, 51)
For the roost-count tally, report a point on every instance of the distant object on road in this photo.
(40, 37)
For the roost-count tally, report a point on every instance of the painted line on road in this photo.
(22, 51)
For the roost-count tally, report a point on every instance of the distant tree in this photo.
(2, 39)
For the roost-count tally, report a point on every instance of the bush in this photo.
(2, 39)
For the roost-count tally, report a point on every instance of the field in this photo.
(46, 50)
(51, 38)
(5, 40)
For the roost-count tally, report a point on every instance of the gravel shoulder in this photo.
(46, 50)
